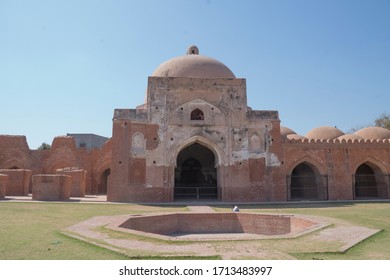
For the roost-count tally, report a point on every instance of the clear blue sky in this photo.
(66, 65)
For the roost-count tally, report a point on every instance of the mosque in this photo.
(196, 138)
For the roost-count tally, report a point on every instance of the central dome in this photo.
(193, 65)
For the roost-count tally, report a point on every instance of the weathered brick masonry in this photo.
(196, 138)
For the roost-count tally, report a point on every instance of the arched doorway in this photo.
(103, 184)
(367, 180)
(306, 183)
(195, 174)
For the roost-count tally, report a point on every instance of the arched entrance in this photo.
(306, 183)
(195, 174)
(369, 182)
(103, 183)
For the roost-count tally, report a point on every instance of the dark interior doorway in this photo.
(303, 183)
(102, 188)
(365, 182)
(195, 174)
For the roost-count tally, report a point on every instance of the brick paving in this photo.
(338, 238)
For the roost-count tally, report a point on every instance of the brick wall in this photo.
(18, 181)
(264, 224)
(298, 224)
(78, 180)
(51, 187)
(3, 183)
(206, 223)
(338, 161)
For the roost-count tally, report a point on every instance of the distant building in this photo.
(88, 141)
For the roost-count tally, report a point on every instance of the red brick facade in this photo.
(3, 183)
(196, 138)
(51, 187)
(17, 158)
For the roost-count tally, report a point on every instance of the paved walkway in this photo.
(201, 209)
(87, 198)
(103, 199)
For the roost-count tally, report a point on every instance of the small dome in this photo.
(373, 132)
(193, 65)
(324, 132)
(349, 136)
(284, 131)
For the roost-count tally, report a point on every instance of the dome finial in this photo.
(192, 50)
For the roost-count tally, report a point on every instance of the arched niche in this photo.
(197, 115)
(138, 144)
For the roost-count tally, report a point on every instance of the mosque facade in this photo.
(196, 138)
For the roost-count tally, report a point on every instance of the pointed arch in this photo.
(320, 168)
(13, 164)
(195, 173)
(198, 103)
(219, 159)
(370, 180)
(373, 163)
(307, 181)
(197, 115)
(103, 172)
(103, 183)
(137, 171)
(257, 144)
(138, 143)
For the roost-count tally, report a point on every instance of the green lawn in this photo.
(31, 230)
(372, 215)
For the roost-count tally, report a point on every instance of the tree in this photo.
(383, 120)
(44, 146)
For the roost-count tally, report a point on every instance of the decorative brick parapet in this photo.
(3, 183)
(50, 187)
(18, 181)
(354, 142)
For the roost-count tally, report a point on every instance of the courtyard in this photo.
(81, 230)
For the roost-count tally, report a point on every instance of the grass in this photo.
(32, 230)
(372, 215)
